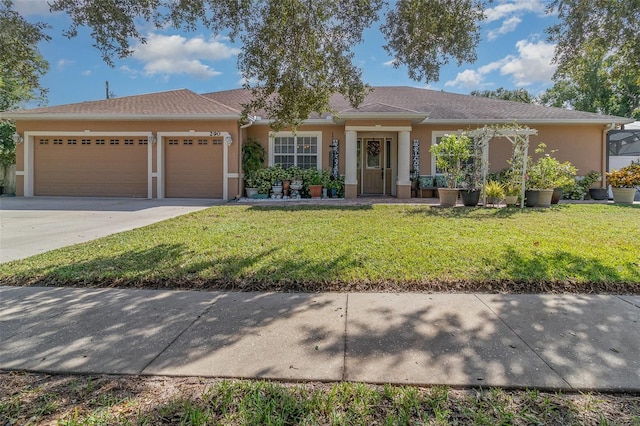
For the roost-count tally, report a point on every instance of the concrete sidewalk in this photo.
(563, 342)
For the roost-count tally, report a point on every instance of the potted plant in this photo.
(313, 183)
(450, 153)
(511, 193)
(470, 192)
(548, 173)
(495, 192)
(253, 155)
(624, 182)
(588, 180)
(251, 183)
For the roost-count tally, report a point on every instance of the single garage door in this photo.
(193, 167)
(90, 166)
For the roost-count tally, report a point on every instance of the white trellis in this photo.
(519, 138)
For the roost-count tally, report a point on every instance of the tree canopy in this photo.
(21, 63)
(598, 56)
(518, 95)
(604, 25)
(296, 53)
(597, 82)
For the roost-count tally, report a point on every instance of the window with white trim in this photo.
(436, 137)
(304, 150)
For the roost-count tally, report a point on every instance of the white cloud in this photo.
(86, 73)
(467, 78)
(389, 63)
(31, 7)
(531, 65)
(509, 8)
(166, 55)
(62, 63)
(508, 25)
(243, 80)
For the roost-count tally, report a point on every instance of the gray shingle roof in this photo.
(171, 103)
(415, 103)
(437, 106)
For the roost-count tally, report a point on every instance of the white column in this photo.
(149, 170)
(160, 166)
(404, 158)
(351, 158)
(28, 177)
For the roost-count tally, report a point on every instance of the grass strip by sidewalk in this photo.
(362, 248)
(68, 400)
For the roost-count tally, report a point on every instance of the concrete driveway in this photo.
(30, 226)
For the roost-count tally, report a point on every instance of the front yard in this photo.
(580, 248)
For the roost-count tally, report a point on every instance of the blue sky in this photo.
(513, 53)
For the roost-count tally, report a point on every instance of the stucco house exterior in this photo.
(182, 144)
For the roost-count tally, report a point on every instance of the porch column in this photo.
(403, 183)
(351, 165)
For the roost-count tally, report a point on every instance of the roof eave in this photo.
(116, 117)
(382, 115)
(616, 120)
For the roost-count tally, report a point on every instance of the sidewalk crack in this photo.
(345, 340)
(627, 301)
(525, 342)
(203, 313)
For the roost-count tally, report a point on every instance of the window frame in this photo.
(434, 138)
(300, 134)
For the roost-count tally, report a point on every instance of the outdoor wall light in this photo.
(228, 139)
(17, 139)
(151, 139)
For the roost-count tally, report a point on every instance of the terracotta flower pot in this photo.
(557, 195)
(315, 191)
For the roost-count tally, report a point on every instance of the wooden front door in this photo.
(373, 165)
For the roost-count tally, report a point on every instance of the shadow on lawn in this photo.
(561, 266)
(480, 212)
(169, 266)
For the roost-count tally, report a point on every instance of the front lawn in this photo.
(359, 248)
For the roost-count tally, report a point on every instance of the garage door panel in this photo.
(193, 168)
(82, 167)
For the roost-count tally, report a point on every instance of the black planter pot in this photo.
(598, 193)
(531, 198)
(557, 194)
(470, 197)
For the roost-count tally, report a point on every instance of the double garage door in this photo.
(117, 167)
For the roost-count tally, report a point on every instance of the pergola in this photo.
(519, 138)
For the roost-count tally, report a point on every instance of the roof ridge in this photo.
(203, 96)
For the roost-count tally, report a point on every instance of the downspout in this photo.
(606, 129)
(241, 136)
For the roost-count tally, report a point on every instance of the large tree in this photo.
(296, 53)
(21, 68)
(21, 63)
(604, 25)
(597, 82)
(518, 95)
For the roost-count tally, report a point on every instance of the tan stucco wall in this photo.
(261, 132)
(579, 144)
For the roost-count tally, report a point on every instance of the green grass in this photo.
(342, 247)
(198, 401)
